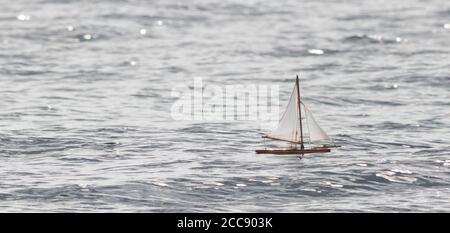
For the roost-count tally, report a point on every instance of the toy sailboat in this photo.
(290, 129)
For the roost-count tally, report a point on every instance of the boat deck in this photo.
(293, 150)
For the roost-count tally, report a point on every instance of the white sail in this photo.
(288, 128)
(315, 132)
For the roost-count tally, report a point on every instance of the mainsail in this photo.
(288, 128)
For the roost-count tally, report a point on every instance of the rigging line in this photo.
(307, 125)
(294, 130)
(282, 139)
(297, 124)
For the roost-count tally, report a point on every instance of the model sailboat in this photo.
(291, 128)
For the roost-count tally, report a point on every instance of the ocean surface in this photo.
(85, 105)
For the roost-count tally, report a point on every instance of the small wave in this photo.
(395, 125)
(87, 37)
(66, 192)
(334, 185)
(394, 177)
(377, 39)
(281, 51)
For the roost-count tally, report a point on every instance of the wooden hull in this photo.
(281, 151)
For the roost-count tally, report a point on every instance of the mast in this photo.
(299, 112)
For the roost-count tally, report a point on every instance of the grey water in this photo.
(85, 100)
